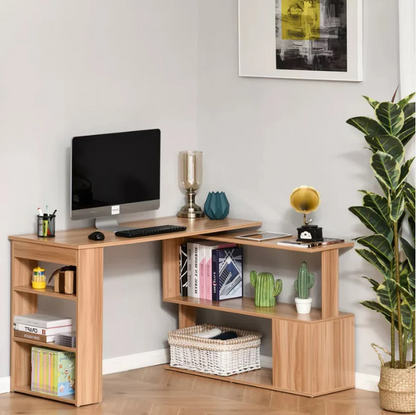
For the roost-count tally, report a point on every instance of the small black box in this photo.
(310, 233)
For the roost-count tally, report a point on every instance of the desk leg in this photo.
(89, 326)
(330, 286)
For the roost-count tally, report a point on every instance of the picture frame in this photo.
(311, 39)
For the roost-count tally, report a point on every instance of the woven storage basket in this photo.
(216, 357)
(397, 386)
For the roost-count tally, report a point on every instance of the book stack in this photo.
(41, 327)
(211, 271)
(53, 372)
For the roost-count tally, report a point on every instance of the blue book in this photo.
(227, 273)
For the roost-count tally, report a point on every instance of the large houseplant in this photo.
(387, 250)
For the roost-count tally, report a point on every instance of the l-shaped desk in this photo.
(312, 355)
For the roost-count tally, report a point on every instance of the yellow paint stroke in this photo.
(300, 19)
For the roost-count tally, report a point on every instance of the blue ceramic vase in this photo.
(217, 206)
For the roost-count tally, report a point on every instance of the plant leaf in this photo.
(373, 305)
(371, 101)
(402, 103)
(412, 227)
(411, 280)
(409, 110)
(408, 131)
(390, 116)
(375, 284)
(373, 221)
(405, 271)
(405, 169)
(374, 261)
(377, 203)
(368, 126)
(386, 169)
(407, 315)
(409, 252)
(387, 294)
(384, 187)
(379, 245)
(387, 144)
(397, 208)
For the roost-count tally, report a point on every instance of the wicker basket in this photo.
(397, 386)
(216, 357)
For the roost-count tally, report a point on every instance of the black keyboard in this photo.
(154, 230)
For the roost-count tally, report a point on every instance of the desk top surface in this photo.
(78, 238)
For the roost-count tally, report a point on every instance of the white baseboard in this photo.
(362, 380)
(5, 384)
(159, 357)
(135, 361)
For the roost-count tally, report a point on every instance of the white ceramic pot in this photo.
(303, 306)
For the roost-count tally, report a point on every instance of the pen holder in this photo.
(38, 278)
(46, 225)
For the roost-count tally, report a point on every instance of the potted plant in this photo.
(305, 281)
(387, 250)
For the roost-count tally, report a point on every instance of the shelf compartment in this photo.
(48, 292)
(261, 378)
(26, 390)
(245, 305)
(46, 345)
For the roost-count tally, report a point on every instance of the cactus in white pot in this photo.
(305, 281)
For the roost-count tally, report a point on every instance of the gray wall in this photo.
(75, 67)
(263, 137)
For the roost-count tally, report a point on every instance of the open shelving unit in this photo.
(313, 354)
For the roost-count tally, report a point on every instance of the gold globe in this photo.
(305, 199)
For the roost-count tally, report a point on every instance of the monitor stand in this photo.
(110, 224)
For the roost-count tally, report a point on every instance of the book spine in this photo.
(196, 270)
(208, 272)
(191, 280)
(40, 323)
(37, 337)
(184, 270)
(201, 271)
(41, 331)
(215, 296)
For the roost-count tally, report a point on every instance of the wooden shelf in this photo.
(46, 345)
(230, 237)
(26, 390)
(48, 292)
(245, 305)
(261, 378)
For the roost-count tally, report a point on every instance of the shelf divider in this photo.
(48, 292)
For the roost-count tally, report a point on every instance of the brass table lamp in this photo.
(190, 179)
(306, 199)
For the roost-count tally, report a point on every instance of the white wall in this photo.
(263, 137)
(75, 67)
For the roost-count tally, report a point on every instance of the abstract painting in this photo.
(303, 39)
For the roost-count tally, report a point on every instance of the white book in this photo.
(195, 262)
(44, 321)
(38, 330)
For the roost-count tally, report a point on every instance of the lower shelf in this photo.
(261, 378)
(26, 390)
(45, 345)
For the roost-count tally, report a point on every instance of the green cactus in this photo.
(266, 288)
(305, 281)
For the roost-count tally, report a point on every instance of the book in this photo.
(37, 337)
(53, 372)
(208, 248)
(227, 273)
(183, 270)
(190, 273)
(195, 269)
(66, 339)
(41, 331)
(201, 270)
(43, 320)
(300, 244)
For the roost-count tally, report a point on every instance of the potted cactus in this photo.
(305, 281)
(266, 288)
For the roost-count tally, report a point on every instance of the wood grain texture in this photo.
(245, 306)
(292, 357)
(78, 238)
(21, 303)
(48, 292)
(230, 237)
(330, 284)
(170, 267)
(187, 316)
(45, 252)
(89, 326)
(26, 390)
(333, 355)
(43, 344)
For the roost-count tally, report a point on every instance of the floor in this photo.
(155, 391)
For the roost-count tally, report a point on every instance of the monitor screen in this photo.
(115, 173)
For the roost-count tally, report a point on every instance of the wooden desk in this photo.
(313, 354)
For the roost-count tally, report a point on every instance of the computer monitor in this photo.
(112, 174)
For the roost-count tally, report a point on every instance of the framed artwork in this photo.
(301, 39)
